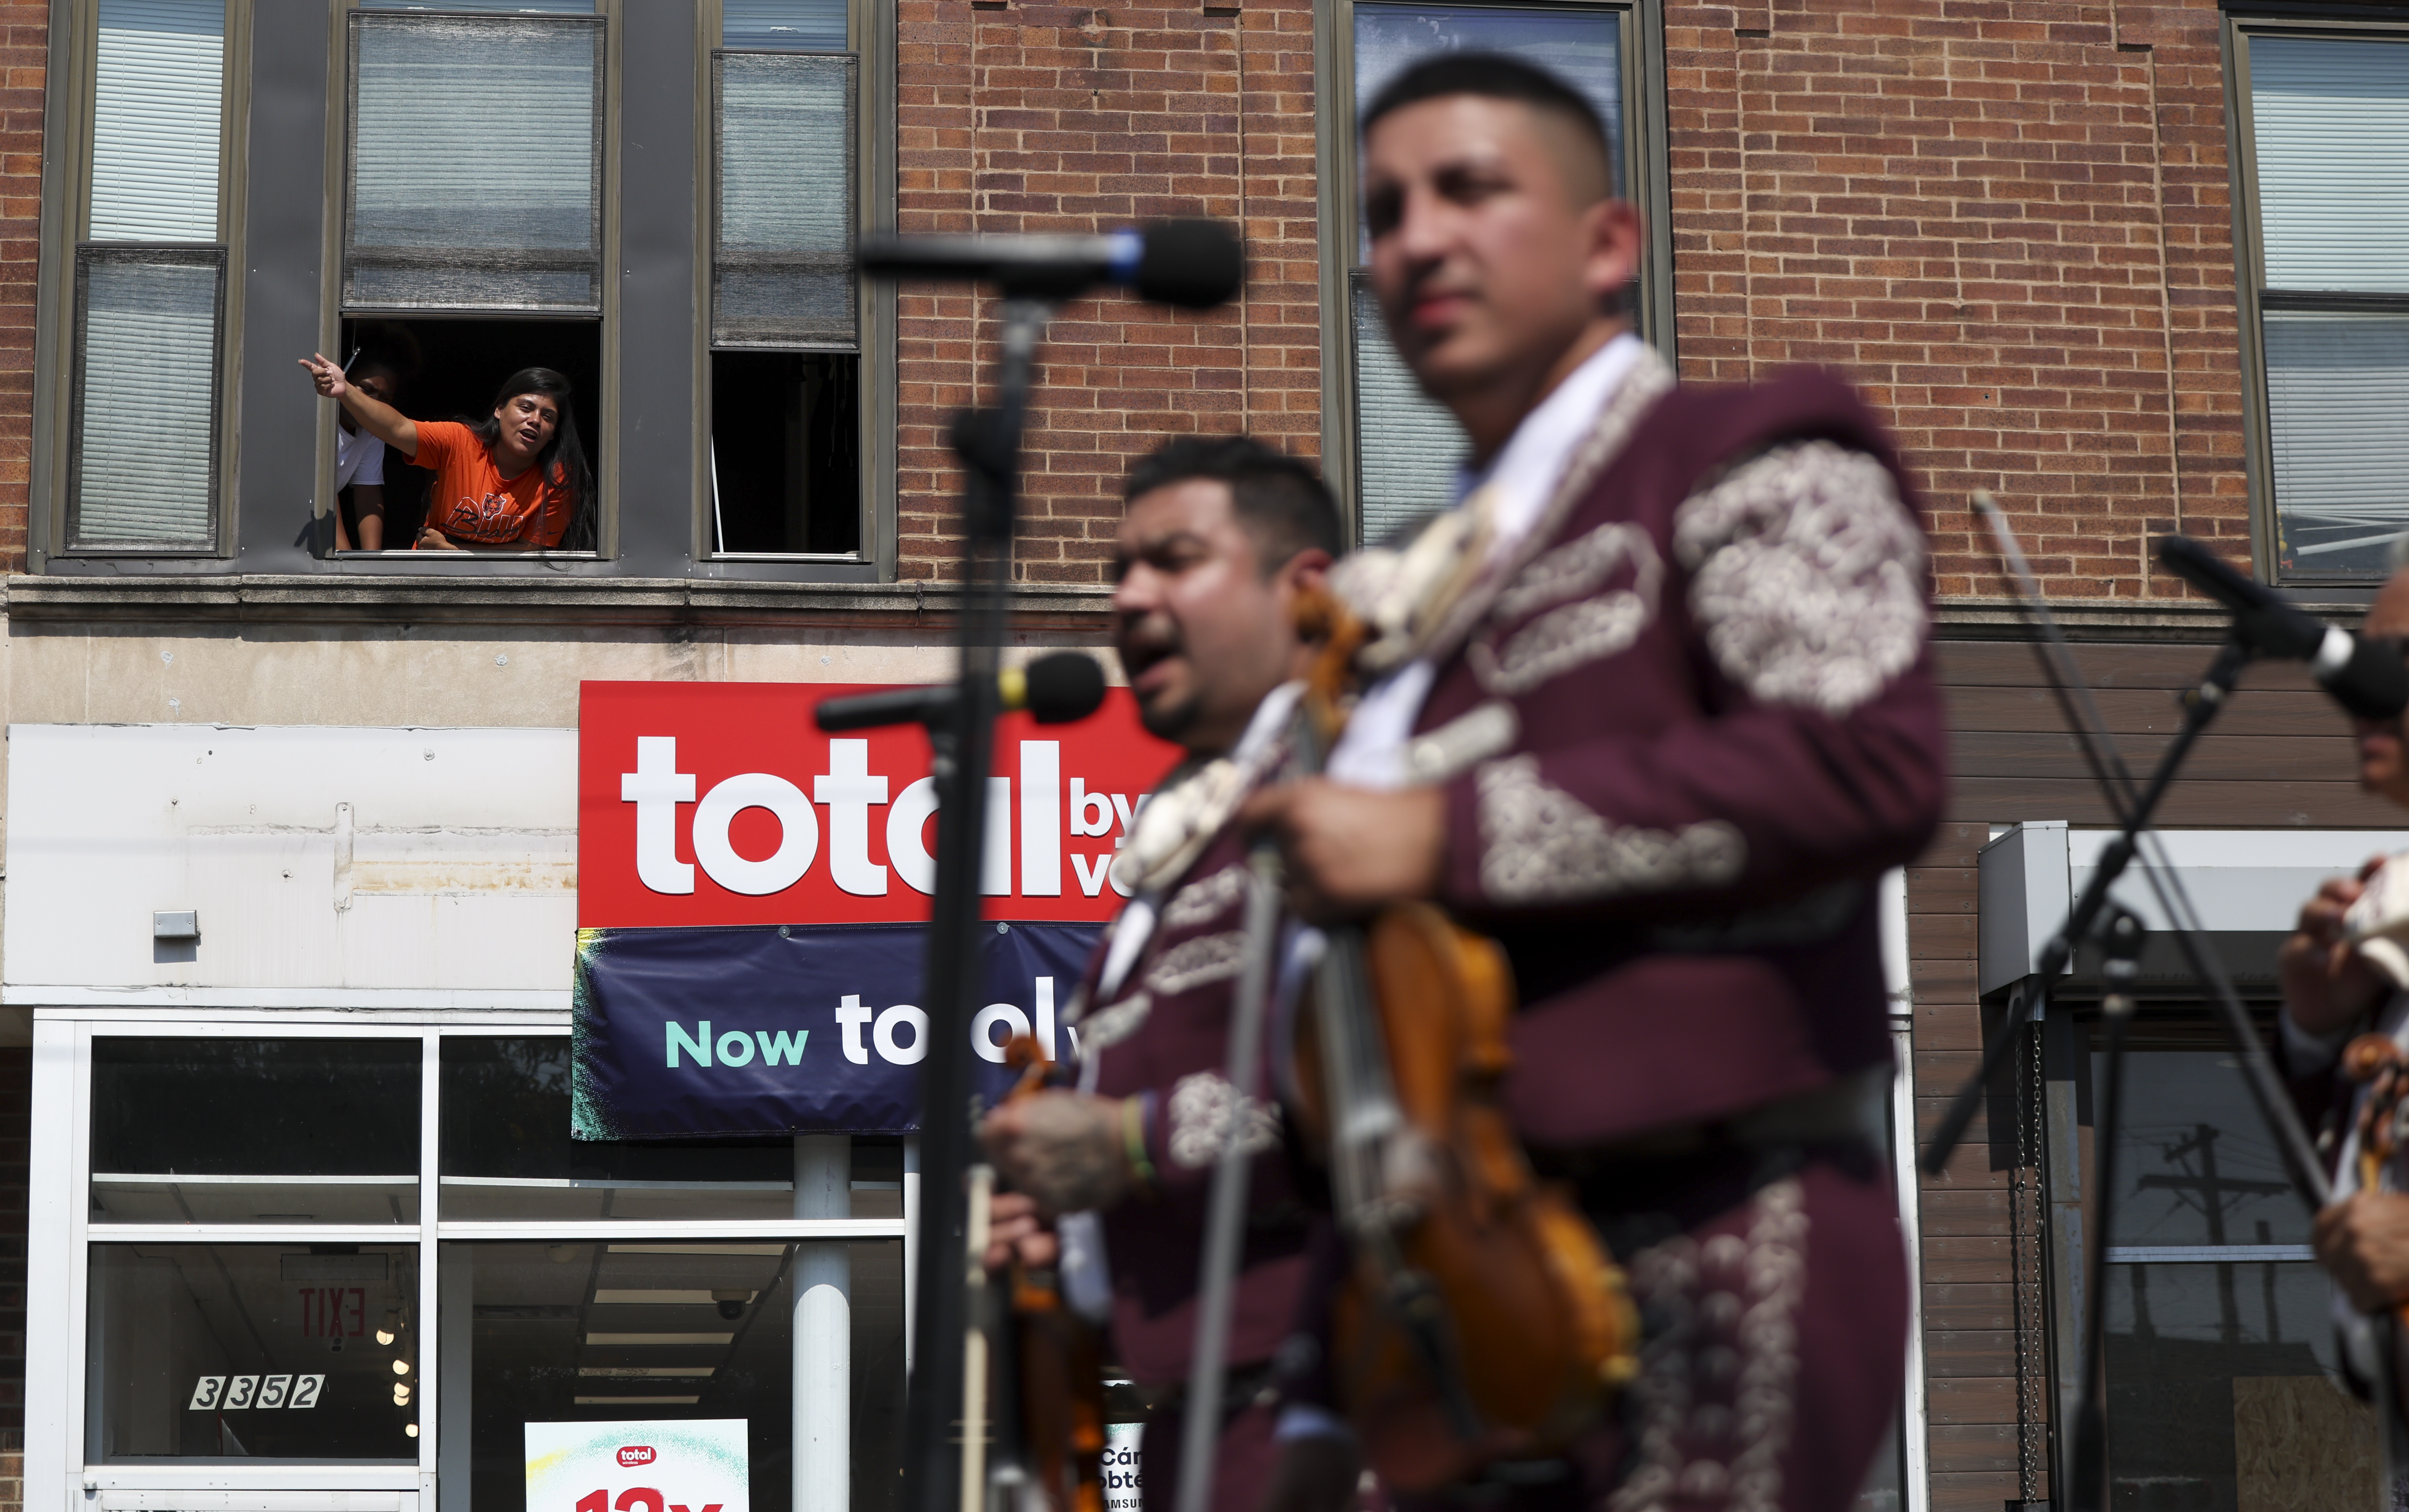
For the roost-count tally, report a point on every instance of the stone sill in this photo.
(913, 607)
(907, 607)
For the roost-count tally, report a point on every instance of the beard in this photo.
(1166, 719)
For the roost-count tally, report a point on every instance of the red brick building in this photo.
(2124, 266)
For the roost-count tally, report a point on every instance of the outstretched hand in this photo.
(327, 374)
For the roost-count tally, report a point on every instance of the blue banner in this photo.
(790, 1028)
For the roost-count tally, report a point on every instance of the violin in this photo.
(1482, 1318)
(1059, 1356)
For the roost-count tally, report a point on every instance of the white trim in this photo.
(250, 1233)
(489, 999)
(138, 1179)
(701, 1231)
(289, 1024)
(52, 1251)
(223, 1475)
(182, 1498)
(430, 1378)
(1915, 1450)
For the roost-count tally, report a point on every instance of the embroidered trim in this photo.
(1202, 1111)
(1192, 963)
(1205, 901)
(1111, 1026)
(1768, 1345)
(1541, 844)
(1693, 1448)
(1808, 576)
(1650, 378)
(1577, 569)
(1456, 746)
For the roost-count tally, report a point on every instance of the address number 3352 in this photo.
(238, 1393)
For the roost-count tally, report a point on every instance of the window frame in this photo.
(602, 448)
(1645, 179)
(2250, 288)
(62, 1234)
(69, 124)
(870, 38)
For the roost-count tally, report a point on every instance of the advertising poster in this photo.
(639, 1466)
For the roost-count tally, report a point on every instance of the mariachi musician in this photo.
(1653, 707)
(1220, 537)
(2335, 985)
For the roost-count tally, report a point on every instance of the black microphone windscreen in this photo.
(1064, 685)
(2375, 683)
(1192, 264)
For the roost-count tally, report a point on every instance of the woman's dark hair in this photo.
(563, 458)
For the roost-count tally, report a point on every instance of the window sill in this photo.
(548, 600)
(2176, 620)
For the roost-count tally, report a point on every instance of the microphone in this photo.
(1057, 688)
(2367, 678)
(1192, 264)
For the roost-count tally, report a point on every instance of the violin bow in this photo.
(1226, 1210)
(2122, 795)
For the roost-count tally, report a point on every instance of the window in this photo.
(1402, 463)
(472, 236)
(785, 310)
(264, 1291)
(150, 285)
(2224, 1385)
(2324, 132)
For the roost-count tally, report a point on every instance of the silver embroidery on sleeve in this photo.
(1205, 900)
(1473, 736)
(1595, 626)
(1807, 576)
(1110, 1026)
(1191, 964)
(1202, 1111)
(1541, 844)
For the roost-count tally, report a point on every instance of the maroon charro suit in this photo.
(1164, 1039)
(1683, 728)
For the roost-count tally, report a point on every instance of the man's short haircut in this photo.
(1496, 77)
(1279, 501)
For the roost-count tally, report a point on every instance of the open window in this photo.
(784, 463)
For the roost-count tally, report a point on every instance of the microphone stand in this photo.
(2132, 811)
(988, 440)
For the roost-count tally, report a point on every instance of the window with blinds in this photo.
(475, 169)
(1407, 447)
(2329, 123)
(784, 189)
(150, 285)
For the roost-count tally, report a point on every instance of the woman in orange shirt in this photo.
(518, 481)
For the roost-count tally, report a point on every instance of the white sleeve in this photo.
(371, 462)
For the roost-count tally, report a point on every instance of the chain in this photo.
(2024, 1223)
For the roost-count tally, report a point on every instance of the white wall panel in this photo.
(459, 848)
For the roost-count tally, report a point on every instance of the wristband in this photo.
(1133, 1143)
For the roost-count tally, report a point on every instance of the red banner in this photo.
(722, 803)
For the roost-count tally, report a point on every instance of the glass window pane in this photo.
(494, 201)
(598, 1333)
(157, 92)
(210, 1131)
(782, 272)
(498, 8)
(1409, 445)
(2194, 1163)
(2331, 122)
(2338, 421)
(508, 1154)
(2223, 1391)
(1584, 48)
(814, 24)
(253, 1352)
(146, 386)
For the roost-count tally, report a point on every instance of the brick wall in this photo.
(2010, 221)
(24, 50)
(1025, 118)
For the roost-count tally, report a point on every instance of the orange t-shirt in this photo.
(470, 502)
